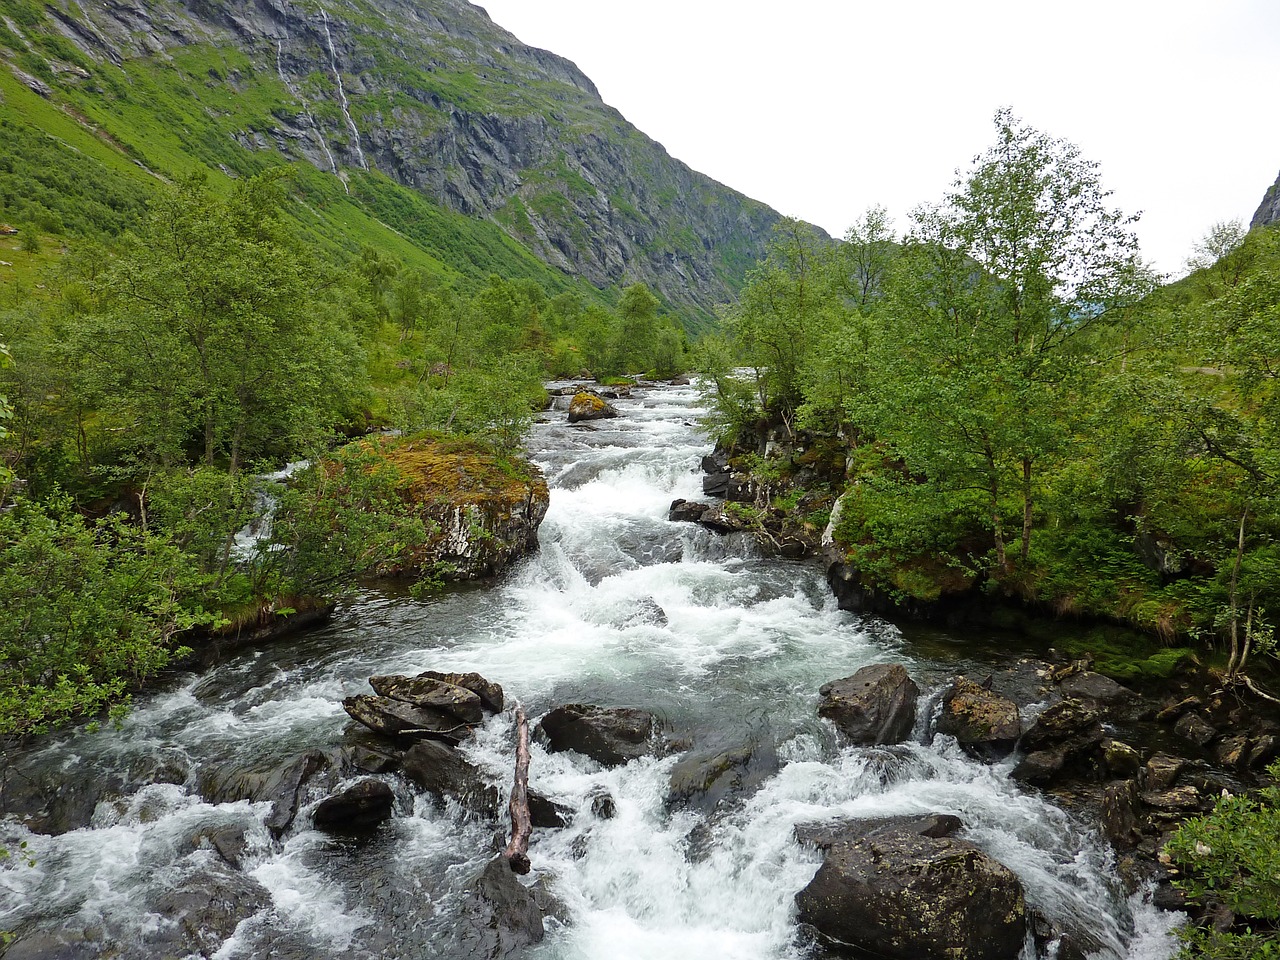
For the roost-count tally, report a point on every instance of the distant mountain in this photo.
(1269, 210)
(429, 95)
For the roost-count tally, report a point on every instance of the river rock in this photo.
(440, 770)
(687, 511)
(1122, 760)
(611, 736)
(710, 775)
(395, 718)
(545, 812)
(588, 405)
(1121, 813)
(207, 908)
(280, 783)
(1087, 685)
(877, 705)
(719, 519)
(985, 723)
(230, 841)
(824, 834)
(358, 808)
(900, 895)
(1196, 729)
(490, 693)
(500, 916)
(1163, 770)
(432, 694)
(1070, 731)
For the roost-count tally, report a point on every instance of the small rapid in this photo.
(618, 607)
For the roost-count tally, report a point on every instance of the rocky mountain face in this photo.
(432, 94)
(1269, 210)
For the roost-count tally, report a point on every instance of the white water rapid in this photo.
(619, 607)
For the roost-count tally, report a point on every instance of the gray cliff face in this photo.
(436, 96)
(1269, 210)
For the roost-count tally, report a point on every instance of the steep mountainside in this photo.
(429, 94)
(1269, 210)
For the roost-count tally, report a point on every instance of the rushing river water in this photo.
(619, 607)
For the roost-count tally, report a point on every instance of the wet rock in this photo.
(720, 519)
(1172, 711)
(229, 841)
(66, 944)
(589, 405)
(208, 907)
(985, 723)
(1194, 728)
(1233, 752)
(545, 812)
(1122, 760)
(603, 806)
(877, 705)
(440, 770)
(687, 511)
(1179, 798)
(395, 718)
(500, 917)
(1263, 750)
(1041, 766)
(1121, 818)
(51, 802)
(360, 807)
(699, 842)
(372, 757)
(899, 895)
(431, 693)
(611, 736)
(728, 486)
(1071, 722)
(490, 693)
(1087, 685)
(824, 834)
(280, 783)
(1162, 771)
(710, 775)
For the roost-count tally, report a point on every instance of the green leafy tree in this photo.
(987, 318)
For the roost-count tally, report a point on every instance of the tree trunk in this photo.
(517, 852)
(997, 527)
(1233, 664)
(1027, 505)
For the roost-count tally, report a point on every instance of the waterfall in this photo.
(306, 109)
(342, 93)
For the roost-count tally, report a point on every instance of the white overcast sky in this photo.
(822, 108)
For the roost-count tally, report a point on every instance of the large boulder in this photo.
(825, 834)
(501, 917)
(985, 723)
(205, 910)
(1066, 737)
(442, 771)
(589, 405)
(395, 718)
(432, 694)
(714, 774)
(897, 894)
(611, 736)
(876, 705)
(481, 506)
(280, 783)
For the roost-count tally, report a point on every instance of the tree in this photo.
(987, 313)
(205, 324)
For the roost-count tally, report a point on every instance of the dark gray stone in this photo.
(490, 693)
(395, 718)
(985, 723)
(824, 834)
(358, 808)
(611, 736)
(432, 694)
(711, 775)
(440, 770)
(877, 705)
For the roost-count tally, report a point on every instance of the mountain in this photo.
(1269, 210)
(395, 103)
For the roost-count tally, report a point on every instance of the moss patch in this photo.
(456, 471)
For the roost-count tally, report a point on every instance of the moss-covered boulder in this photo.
(589, 405)
(482, 507)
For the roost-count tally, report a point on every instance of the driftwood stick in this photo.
(517, 852)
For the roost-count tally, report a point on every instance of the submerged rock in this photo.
(207, 908)
(824, 834)
(877, 705)
(897, 894)
(611, 736)
(280, 783)
(985, 723)
(708, 776)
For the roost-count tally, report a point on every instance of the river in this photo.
(619, 607)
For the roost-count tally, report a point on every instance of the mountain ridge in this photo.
(432, 94)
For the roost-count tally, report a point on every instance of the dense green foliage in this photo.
(1020, 410)
(1232, 856)
(152, 366)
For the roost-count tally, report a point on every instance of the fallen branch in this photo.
(517, 852)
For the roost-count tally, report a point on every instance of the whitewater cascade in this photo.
(619, 607)
(342, 92)
(306, 107)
